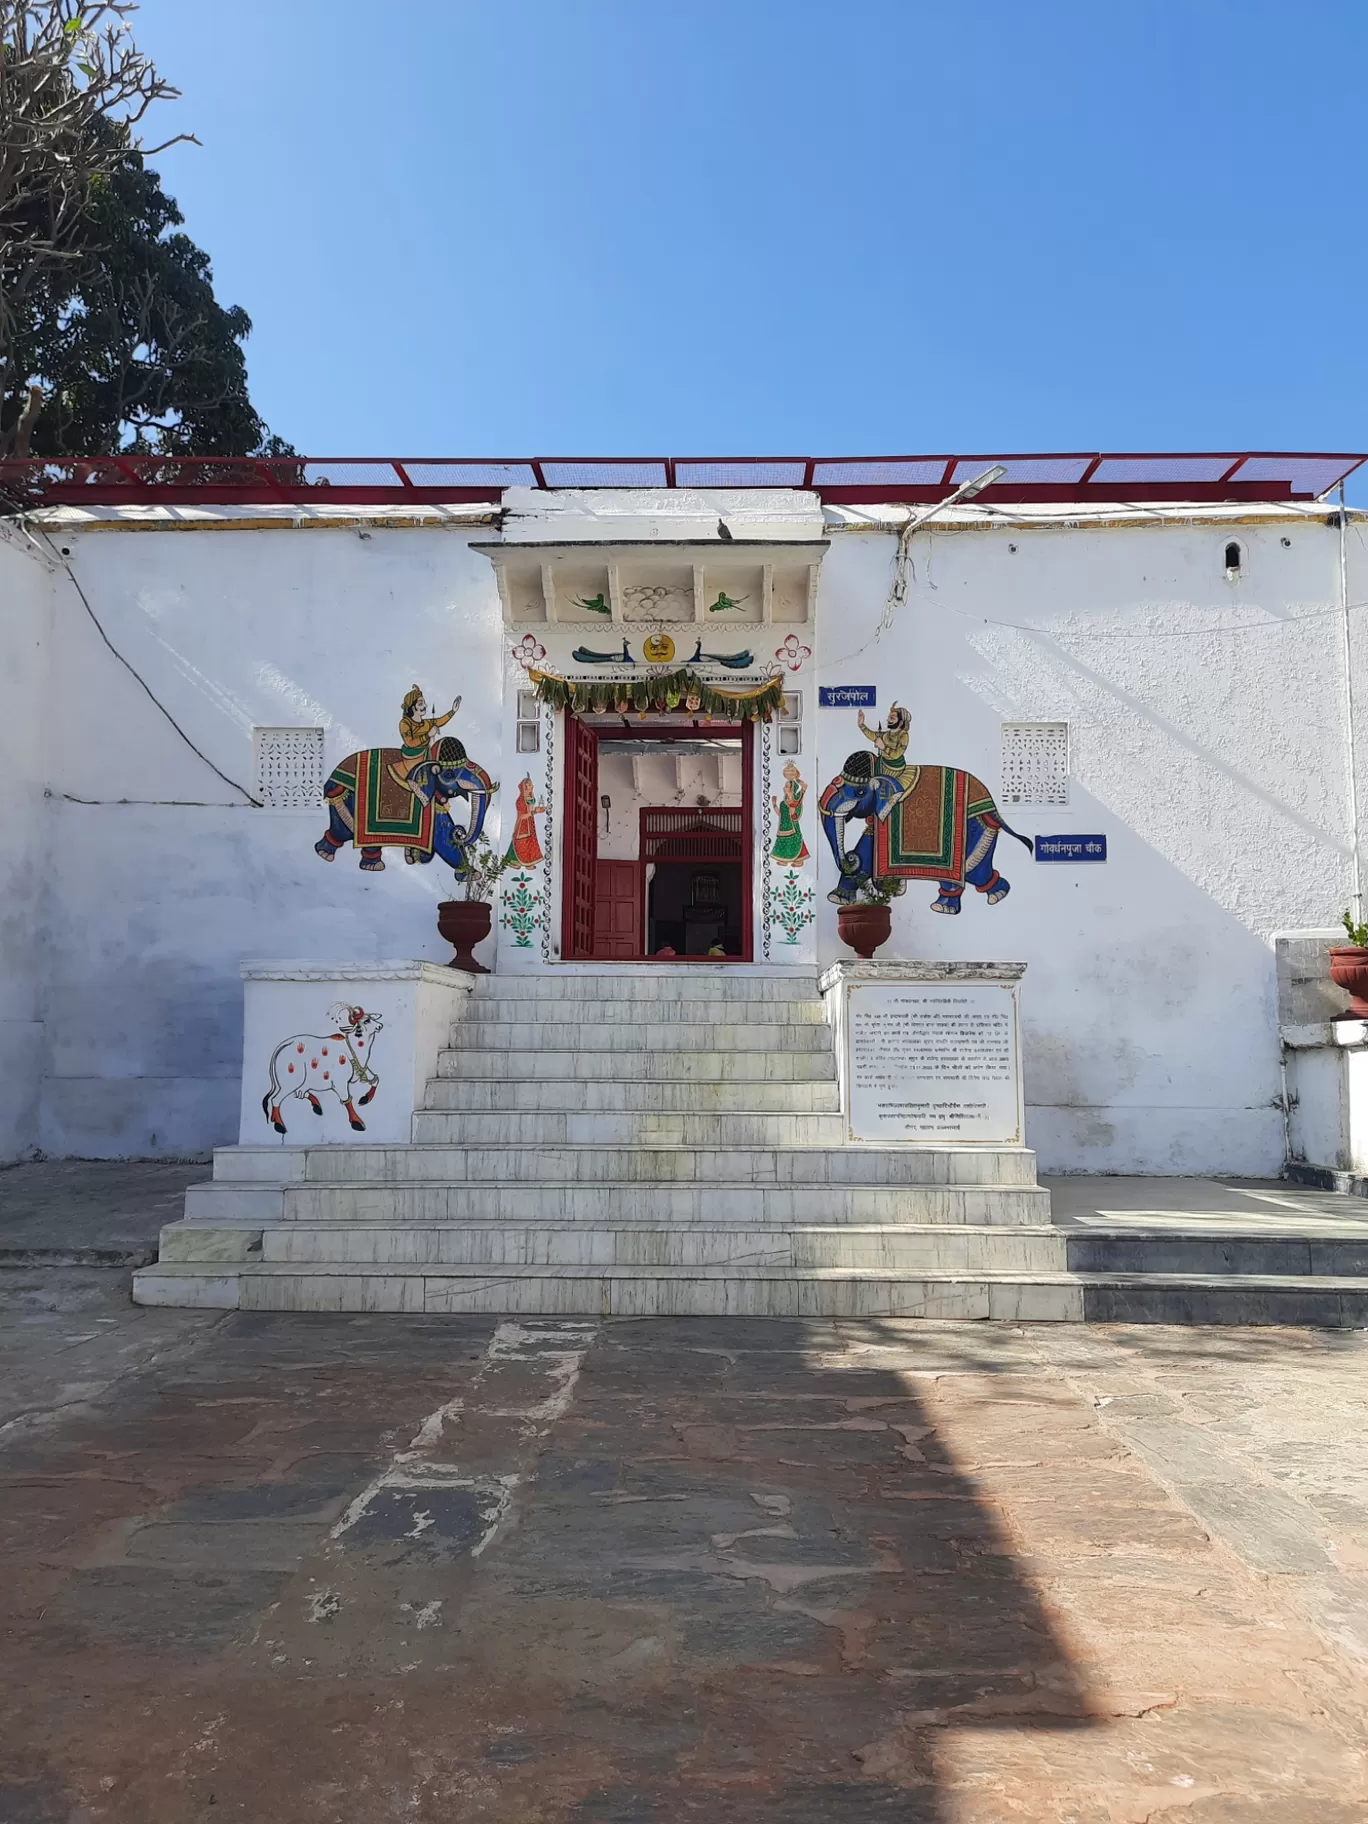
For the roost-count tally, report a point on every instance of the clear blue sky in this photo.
(774, 226)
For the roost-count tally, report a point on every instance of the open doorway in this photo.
(658, 839)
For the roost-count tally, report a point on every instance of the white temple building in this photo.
(1095, 723)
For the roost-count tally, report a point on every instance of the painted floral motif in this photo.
(793, 907)
(528, 651)
(793, 653)
(522, 910)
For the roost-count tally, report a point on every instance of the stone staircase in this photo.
(661, 1142)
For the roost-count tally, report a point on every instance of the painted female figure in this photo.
(788, 844)
(524, 846)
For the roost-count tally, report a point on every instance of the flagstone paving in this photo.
(283, 1567)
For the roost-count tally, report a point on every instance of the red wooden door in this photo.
(617, 889)
(581, 838)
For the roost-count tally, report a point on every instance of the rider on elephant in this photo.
(416, 729)
(891, 743)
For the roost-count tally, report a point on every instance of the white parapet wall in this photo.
(928, 1054)
(1327, 1095)
(342, 1051)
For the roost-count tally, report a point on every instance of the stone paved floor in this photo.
(91, 1212)
(363, 1569)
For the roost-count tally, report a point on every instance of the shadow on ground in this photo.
(370, 1569)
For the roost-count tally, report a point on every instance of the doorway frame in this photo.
(637, 728)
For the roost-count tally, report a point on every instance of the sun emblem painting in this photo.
(657, 649)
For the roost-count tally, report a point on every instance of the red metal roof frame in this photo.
(1075, 476)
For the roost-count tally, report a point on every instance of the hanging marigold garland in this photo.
(671, 690)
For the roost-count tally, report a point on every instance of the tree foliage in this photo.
(111, 337)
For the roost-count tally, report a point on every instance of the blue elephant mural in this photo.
(383, 798)
(920, 823)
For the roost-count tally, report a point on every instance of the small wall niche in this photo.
(524, 598)
(582, 594)
(732, 594)
(656, 593)
(793, 591)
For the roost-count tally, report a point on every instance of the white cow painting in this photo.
(311, 1065)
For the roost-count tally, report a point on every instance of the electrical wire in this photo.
(156, 703)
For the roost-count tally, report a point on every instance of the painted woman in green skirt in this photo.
(788, 844)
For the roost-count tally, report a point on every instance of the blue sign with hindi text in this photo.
(1071, 848)
(845, 696)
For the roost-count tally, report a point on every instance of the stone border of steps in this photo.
(611, 1202)
(1317, 1301)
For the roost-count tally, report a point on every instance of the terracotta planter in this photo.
(1349, 970)
(465, 923)
(864, 928)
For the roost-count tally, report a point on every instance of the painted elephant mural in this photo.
(920, 823)
(382, 798)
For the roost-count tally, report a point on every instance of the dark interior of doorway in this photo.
(694, 908)
(687, 894)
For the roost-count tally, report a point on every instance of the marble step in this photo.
(735, 1034)
(738, 1291)
(666, 1165)
(615, 1202)
(658, 985)
(620, 1064)
(484, 1095)
(629, 1128)
(493, 1245)
(524, 1010)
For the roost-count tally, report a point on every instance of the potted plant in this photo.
(466, 922)
(1349, 968)
(865, 922)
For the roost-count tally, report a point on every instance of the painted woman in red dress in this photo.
(524, 846)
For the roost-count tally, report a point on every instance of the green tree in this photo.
(111, 337)
(128, 342)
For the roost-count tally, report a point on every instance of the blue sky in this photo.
(775, 226)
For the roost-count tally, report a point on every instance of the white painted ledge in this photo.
(1343, 1035)
(876, 971)
(415, 1003)
(403, 970)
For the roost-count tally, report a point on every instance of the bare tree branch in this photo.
(74, 87)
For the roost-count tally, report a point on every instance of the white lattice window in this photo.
(289, 767)
(1035, 764)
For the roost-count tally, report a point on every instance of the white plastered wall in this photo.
(1213, 761)
(25, 640)
(162, 878)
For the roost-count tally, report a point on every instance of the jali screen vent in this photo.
(289, 767)
(1035, 763)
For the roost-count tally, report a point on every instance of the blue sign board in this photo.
(1071, 848)
(845, 696)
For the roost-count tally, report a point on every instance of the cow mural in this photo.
(311, 1065)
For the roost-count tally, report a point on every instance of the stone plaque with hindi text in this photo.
(934, 1062)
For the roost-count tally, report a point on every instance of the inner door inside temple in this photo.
(663, 872)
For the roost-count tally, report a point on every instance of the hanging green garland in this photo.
(661, 690)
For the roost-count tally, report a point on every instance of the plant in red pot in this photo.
(866, 921)
(1349, 968)
(466, 922)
